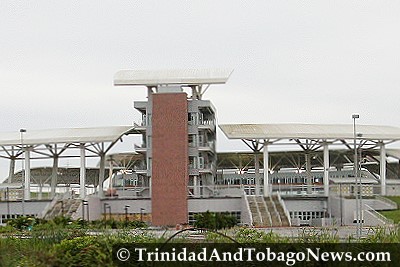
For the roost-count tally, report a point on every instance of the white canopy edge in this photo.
(65, 135)
(310, 131)
(393, 152)
(176, 77)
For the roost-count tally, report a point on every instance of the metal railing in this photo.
(379, 216)
(387, 201)
(284, 208)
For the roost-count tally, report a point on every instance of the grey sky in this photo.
(293, 61)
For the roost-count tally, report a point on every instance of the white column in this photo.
(150, 187)
(27, 184)
(266, 170)
(383, 169)
(257, 172)
(326, 169)
(82, 177)
(308, 172)
(111, 177)
(54, 176)
(40, 195)
(101, 174)
(11, 171)
(195, 186)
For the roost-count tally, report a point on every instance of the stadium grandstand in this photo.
(291, 174)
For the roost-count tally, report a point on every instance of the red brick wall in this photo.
(170, 159)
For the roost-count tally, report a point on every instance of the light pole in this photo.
(105, 210)
(141, 214)
(360, 185)
(8, 202)
(85, 204)
(341, 204)
(23, 174)
(358, 232)
(126, 214)
(62, 207)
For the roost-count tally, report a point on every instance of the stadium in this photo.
(291, 175)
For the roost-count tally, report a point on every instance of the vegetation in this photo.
(62, 242)
(214, 220)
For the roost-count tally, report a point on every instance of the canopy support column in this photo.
(383, 169)
(11, 170)
(54, 172)
(266, 170)
(326, 169)
(257, 172)
(110, 186)
(82, 177)
(40, 195)
(101, 173)
(27, 172)
(195, 186)
(308, 173)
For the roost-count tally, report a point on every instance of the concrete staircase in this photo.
(267, 211)
(281, 210)
(64, 207)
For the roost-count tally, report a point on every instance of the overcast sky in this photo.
(293, 61)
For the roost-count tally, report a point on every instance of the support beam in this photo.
(101, 173)
(11, 170)
(40, 195)
(27, 183)
(257, 172)
(54, 172)
(195, 186)
(308, 172)
(150, 186)
(267, 190)
(110, 186)
(326, 169)
(82, 176)
(383, 169)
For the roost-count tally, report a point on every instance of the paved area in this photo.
(343, 232)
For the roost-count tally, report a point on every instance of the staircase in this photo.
(281, 210)
(255, 211)
(267, 211)
(64, 207)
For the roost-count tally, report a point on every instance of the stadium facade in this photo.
(328, 175)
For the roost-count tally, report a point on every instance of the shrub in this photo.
(22, 223)
(83, 251)
(214, 221)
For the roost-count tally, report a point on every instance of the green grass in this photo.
(393, 214)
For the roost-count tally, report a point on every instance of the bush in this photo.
(214, 221)
(22, 223)
(83, 251)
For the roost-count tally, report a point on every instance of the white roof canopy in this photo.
(176, 77)
(310, 131)
(67, 135)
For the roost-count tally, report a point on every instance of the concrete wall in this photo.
(245, 212)
(297, 204)
(229, 192)
(305, 205)
(346, 211)
(215, 204)
(393, 190)
(30, 207)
